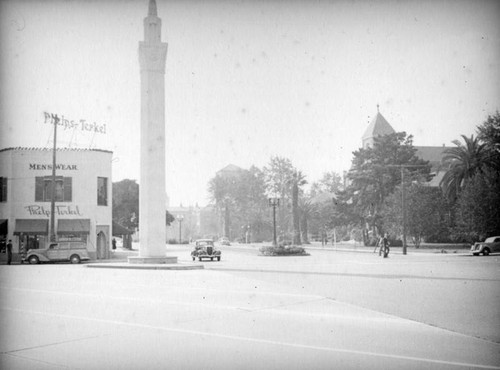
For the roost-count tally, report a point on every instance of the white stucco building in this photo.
(83, 207)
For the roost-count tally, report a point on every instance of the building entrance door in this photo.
(101, 246)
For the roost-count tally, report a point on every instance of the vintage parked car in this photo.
(74, 252)
(205, 248)
(490, 245)
(224, 241)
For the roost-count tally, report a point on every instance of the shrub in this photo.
(292, 250)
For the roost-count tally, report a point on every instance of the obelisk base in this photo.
(152, 260)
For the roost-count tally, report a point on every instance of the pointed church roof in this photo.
(378, 127)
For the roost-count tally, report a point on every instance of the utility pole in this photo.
(180, 218)
(403, 200)
(403, 207)
(274, 202)
(53, 187)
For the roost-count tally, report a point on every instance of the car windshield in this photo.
(202, 243)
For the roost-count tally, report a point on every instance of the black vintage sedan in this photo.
(205, 248)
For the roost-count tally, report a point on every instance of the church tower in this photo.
(377, 127)
(152, 58)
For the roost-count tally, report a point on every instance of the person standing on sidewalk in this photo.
(9, 252)
(384, 244)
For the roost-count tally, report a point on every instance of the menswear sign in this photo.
(43, 167)
(67, 124)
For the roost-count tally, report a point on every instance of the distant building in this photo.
(229, 171)
(83, 207)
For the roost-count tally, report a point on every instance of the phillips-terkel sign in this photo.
(72, 124)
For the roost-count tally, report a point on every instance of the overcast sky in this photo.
(246, 80)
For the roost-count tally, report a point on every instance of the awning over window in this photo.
(73, 226)
(32, 227)
(4, 230)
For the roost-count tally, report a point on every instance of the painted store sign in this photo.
(72, 124)
(60, 210)
(64, 167)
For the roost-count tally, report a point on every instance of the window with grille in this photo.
(43, 189)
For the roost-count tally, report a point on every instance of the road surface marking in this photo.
(261, 341)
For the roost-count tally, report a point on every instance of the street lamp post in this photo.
(274, 202)
(180, 218)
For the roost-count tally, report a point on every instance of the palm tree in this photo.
(307, 211)
(465, 161)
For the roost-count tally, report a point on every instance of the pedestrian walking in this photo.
(9, 252)
(113, 242)
(384, 247)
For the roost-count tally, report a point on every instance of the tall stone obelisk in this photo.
(152, 193)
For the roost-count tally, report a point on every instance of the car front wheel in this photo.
(75, 259)
(34, 260)
(486, 252)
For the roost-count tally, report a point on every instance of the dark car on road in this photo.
(205, 248)
(490, 245)
(224, 241)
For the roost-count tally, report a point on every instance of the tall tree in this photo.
(489, 134)
(126, 203)
(278, 174)
(297, 180)
(465, 161)
(427, 213)
(240, 199)
(375, 174)
(222, 192)
(307, 211)
(331, 182)
(478, 208)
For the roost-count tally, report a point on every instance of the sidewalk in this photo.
(410, 249)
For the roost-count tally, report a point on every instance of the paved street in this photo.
(332, 309)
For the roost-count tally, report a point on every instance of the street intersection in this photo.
(332, 309)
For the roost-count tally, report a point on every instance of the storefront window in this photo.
(72, 238)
